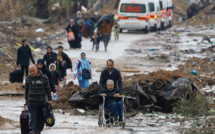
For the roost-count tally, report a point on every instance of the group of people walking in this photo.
(86, 27)
(49, 74)
(46, 77)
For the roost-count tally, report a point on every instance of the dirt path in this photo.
(116, 51)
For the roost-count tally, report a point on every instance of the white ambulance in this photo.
(164, 15)
(155, 14)
(134, 15)
(170, 12)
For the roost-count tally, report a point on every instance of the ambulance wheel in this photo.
(170, 23)
(120, 30)
(147, 30)
(156, 28)
(162, 26)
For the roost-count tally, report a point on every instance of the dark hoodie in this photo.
(49, 58)
(36, 89)
(23, 55)
(115, 76)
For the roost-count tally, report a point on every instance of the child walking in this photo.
(61, 68)
(56, 79)
(116, 30)
(95, 39)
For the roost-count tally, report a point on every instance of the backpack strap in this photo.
(63, 63)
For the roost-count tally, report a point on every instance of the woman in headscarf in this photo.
(49, 57)
(78, 17)
(76, 43)
(83, 71)
(41, 66)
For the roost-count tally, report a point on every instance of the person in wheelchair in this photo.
(112, 101)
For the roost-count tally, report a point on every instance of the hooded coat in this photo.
(47, 73)
(54, 75)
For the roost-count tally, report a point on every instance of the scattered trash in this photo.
(61, 111)
(40, 30)
(194, 72)
(37, 50)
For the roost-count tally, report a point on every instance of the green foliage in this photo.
(196, 131)
(192, 107)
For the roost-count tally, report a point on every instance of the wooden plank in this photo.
(202, 34)
(12, 94)
(124, 70)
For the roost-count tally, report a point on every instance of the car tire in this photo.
(146, 30)
(120, 30)
(162, 26)
(155, 28)
(170, 23)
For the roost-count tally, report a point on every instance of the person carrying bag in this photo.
(83, 71)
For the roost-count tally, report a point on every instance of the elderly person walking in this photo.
(37, 87)
(83, 71)
(72, 30)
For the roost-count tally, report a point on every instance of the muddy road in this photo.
(131, 52)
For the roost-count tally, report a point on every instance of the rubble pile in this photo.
(179, 11)
(12, 87)
(204, 17)
(3, 121)
(15, 25)
(204, 124)
(204, 67)
(64, 95)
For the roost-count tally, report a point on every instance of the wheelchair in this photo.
(104, 112)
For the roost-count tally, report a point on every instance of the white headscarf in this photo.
(72, 20)
(79, 16)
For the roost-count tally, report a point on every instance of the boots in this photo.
(120, 119)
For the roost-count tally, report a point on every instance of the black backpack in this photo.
(16, 76)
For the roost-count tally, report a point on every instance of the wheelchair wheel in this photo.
(100, 120)
(123, 125)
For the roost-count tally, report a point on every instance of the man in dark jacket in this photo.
(49, 57)
(36, 89)
(23, 56)
(112, 102)
(110, 73)
(65, 58)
